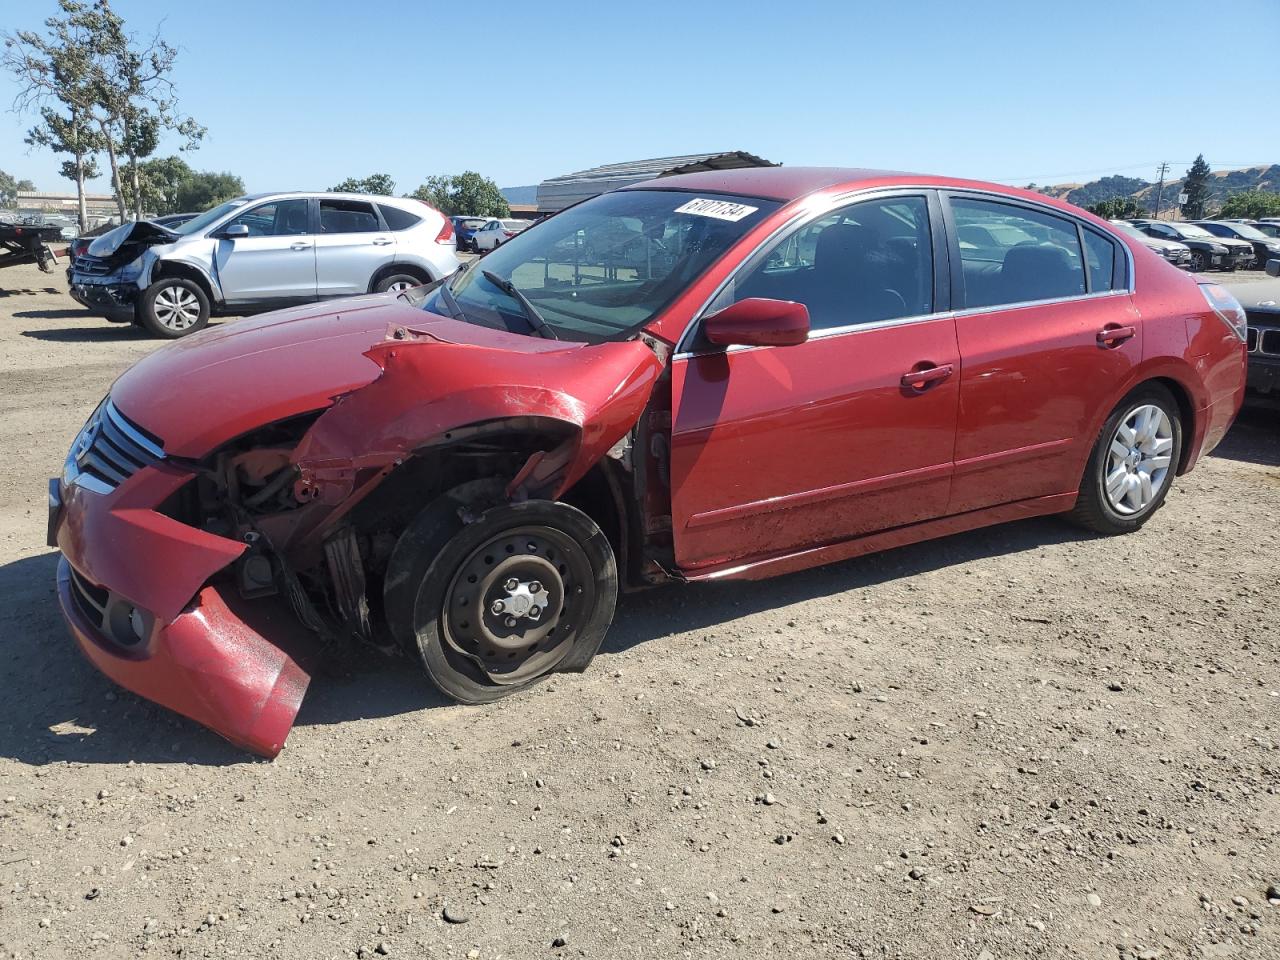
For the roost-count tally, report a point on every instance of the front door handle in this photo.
(1112, 335)
(381, 242)
(299, 245)
(919, 381)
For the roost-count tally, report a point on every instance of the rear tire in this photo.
(449, 593)
(173, 307)
(1133, 463)
(397, 282)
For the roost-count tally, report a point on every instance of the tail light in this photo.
(1226, 307)
(446, 232)
(509, 233)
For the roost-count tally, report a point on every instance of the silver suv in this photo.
(261, 252)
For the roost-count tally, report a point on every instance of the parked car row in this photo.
(482, 234)
(259, 253)
(1216, 244)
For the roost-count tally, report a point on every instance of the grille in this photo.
(1251, 340)
(93, 266)
(110, 449)
(1271, 342)
(91, 599)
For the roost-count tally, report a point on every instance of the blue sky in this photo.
(303, 94)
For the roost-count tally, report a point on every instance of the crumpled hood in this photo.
(201, 391)
(142, 231)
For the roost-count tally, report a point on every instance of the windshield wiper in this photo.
(540, 326)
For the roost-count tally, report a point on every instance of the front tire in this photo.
(1199, 261)
(173, 307)
(1133, 463)
(496, 604)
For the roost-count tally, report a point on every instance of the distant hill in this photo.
(1222, 183)
(521, 194)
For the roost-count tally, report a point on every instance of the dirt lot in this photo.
(1021, 742)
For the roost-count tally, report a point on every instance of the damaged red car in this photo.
(716, 375)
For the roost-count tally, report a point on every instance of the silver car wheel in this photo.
(177, 308)
(1139, 459)
(400, 286)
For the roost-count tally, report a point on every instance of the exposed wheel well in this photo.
(411, 269)
(165, 268)
(1186, 415)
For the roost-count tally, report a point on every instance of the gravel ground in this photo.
(1019, 742)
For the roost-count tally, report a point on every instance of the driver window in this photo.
(864, 263)
(281, 218)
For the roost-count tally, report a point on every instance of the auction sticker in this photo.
(719, 209)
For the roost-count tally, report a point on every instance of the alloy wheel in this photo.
(177, 308)
(400, 286)
(1139, 459)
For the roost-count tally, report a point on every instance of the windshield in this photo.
(1246, 231)
(1129, 230)
(196, 224)
(1191, 230)
(604, 268)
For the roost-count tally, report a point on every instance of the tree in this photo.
(9, 187)
(207, 189)
(69, 133)
(1252, 205)
(379, 183)
(107, 81)
(463, 193)
(1117, 208)
(160, 181)
(1196, 186)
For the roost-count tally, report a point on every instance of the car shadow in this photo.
(65, 313)
(28, 291)
(1254, 437)
(103, 334)
(59, 709)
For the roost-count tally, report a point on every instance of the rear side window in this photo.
(1101, 254)
(398, 219)
(1011, 254)
(348, 216)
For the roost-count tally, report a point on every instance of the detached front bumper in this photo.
(114, 300)
(135, 589)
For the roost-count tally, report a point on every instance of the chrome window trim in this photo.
(804, 217)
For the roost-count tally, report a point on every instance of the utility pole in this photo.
(1164, 168)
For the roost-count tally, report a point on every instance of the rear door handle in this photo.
(1112, 335)
(299, 245)
(921, 380)
(381, 242)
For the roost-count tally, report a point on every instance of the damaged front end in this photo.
(250, 563)
(109, 276)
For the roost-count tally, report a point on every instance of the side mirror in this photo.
(234, 231)
(1273, 268)
(757, 322)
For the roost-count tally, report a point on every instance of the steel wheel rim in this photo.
(481, 638)
(1139, 459)
(177, 308)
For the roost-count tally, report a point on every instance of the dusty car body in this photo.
(472, 471)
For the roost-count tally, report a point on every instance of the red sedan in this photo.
(720, 375)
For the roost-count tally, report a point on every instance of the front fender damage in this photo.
(588, 397)
(594, 393)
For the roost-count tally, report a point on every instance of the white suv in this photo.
(261, 252)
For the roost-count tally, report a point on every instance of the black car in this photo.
(1207, 251)
(1262, 340)
(1264, 247)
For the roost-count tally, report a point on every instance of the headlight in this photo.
(1226, 307)
(1217, 248)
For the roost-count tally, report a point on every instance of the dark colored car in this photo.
(1207, 251)
(465, 229)
(1263, 342)
(1264, 247)
(1266, 228)
(779, 368)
